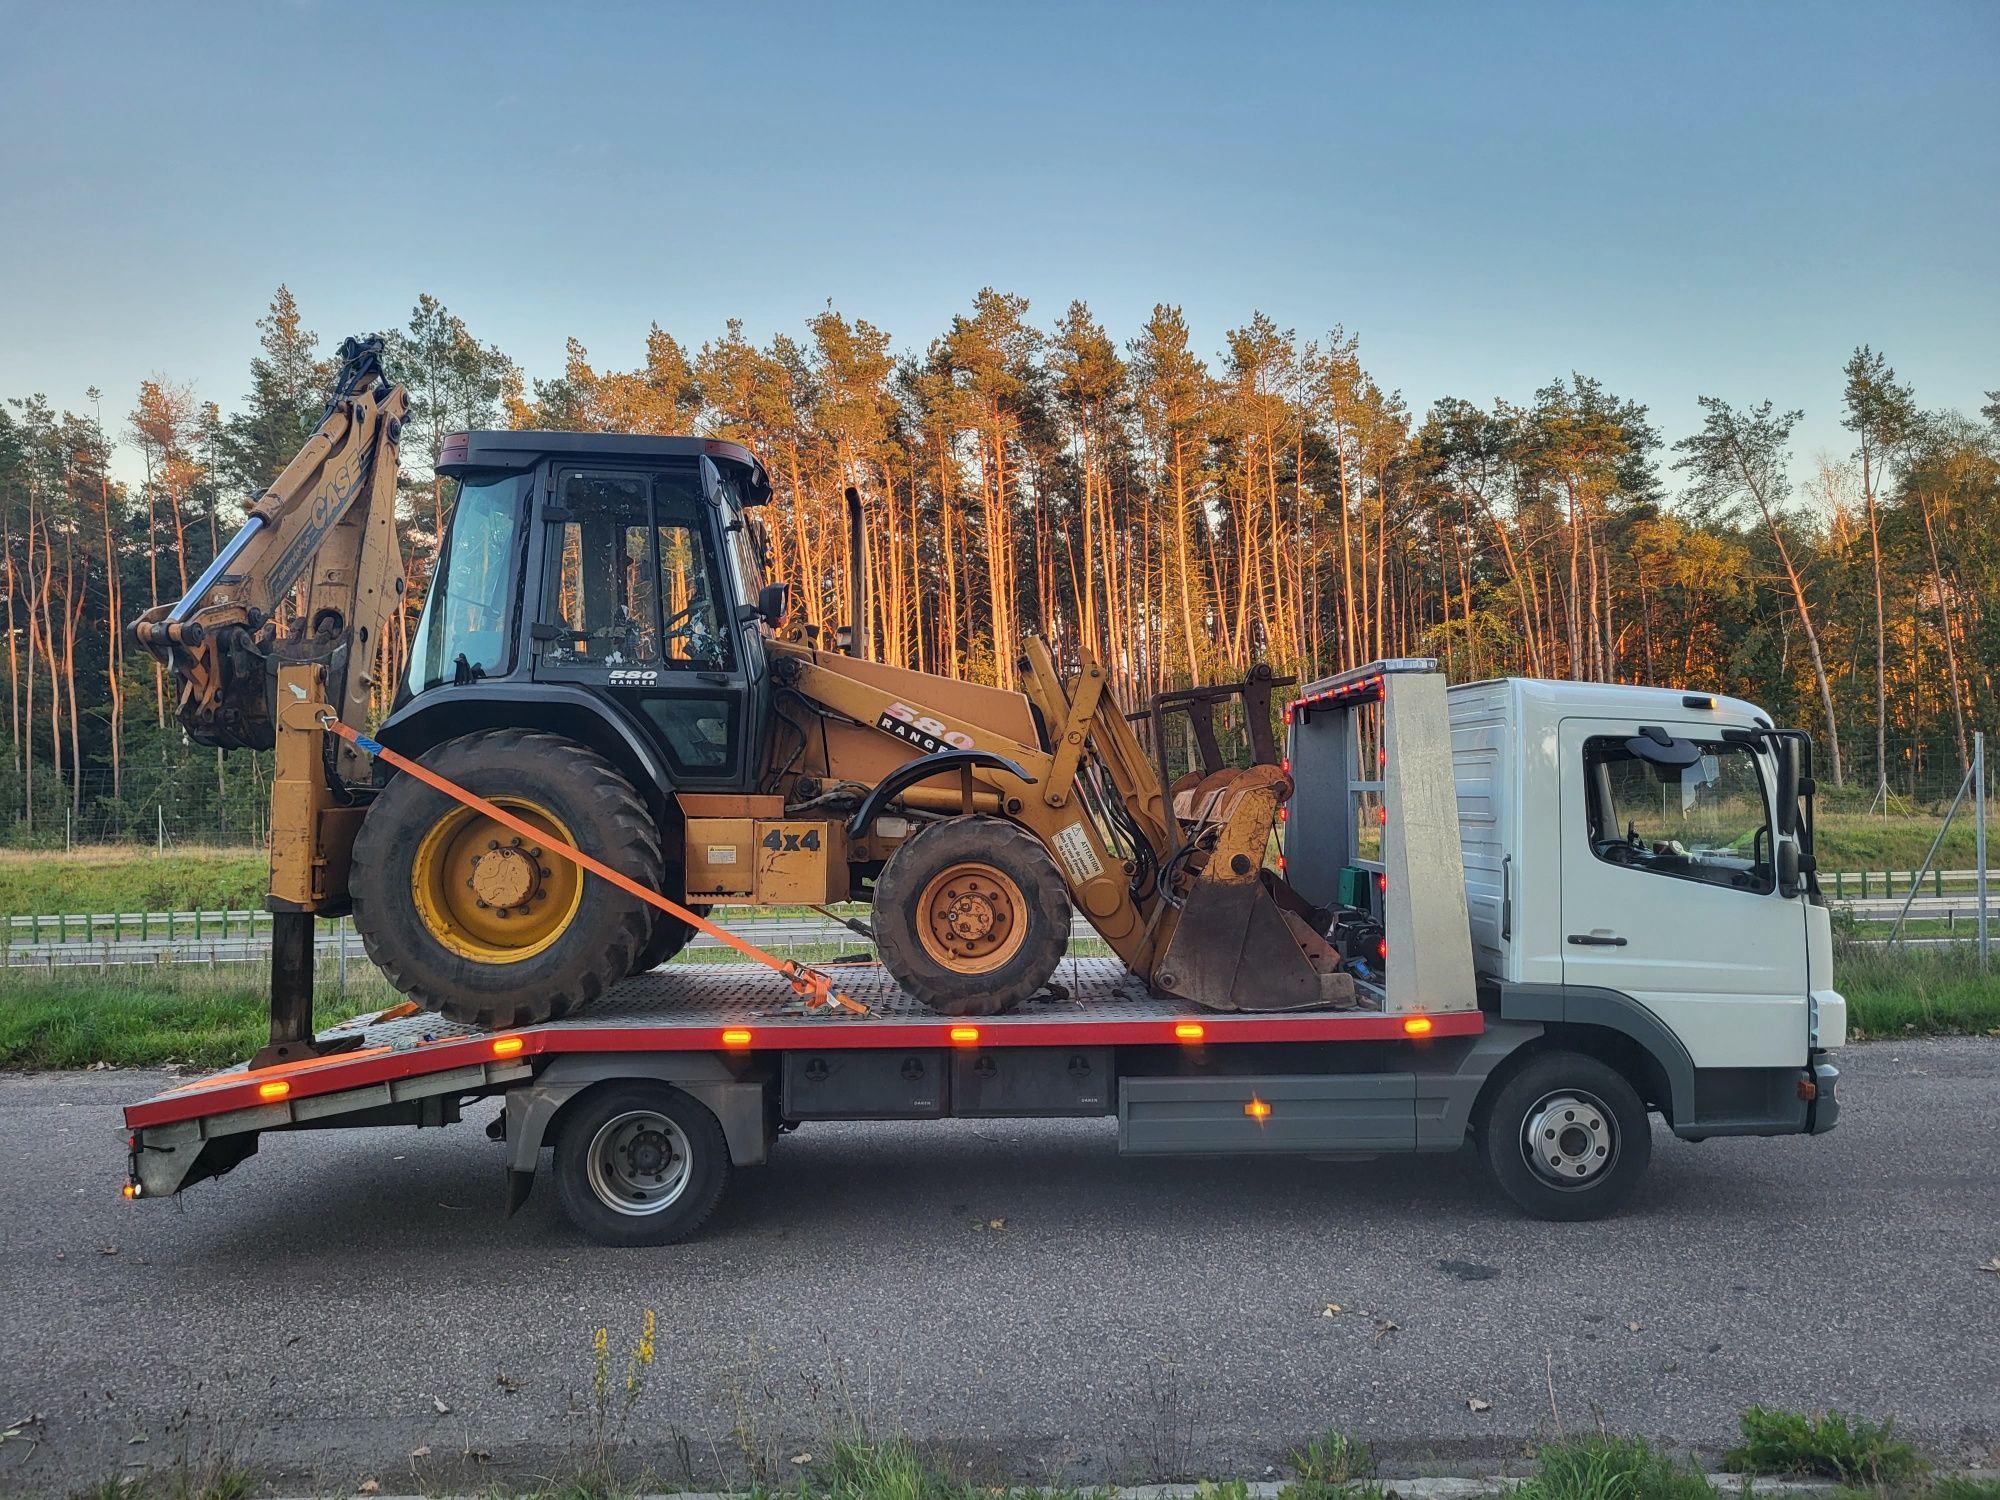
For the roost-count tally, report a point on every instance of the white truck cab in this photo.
(1620, 878)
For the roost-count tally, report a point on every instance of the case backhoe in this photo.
(600, 655)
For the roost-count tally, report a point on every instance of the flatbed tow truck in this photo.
(1565, 907)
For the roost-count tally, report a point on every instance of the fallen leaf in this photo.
(1992, 1266)
(1384, 1327)
(802, 1458)
(996, 1223)
(368, 1487)
(1474, 1403)
(108, 1250)
(1332, 1310)
(439, 1404)
(423, 1452)
(1635, 1327)
(506, 1382)
(132, 1441)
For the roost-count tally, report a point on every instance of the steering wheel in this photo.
(1618, 852)
(680, 624)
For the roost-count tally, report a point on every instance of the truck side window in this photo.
(1707, 821)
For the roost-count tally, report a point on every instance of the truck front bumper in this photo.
(1824, 1111)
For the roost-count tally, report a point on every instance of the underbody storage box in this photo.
(1226, 1115)
(851, 1083)
(1021, 1081)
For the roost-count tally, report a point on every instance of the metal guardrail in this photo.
(216, 936)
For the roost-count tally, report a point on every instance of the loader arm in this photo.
(1179, 889)
(313, 578)
(1048, 799)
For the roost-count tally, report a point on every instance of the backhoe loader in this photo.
(600, 654)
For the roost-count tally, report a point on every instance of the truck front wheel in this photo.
(1566, 1137)
(640, 1164)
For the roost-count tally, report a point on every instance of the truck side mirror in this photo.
(1788, 785)
(1787, 859)
(1661, 750)
(773, 602)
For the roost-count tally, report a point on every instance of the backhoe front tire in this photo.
(489, 928)
(970, 916)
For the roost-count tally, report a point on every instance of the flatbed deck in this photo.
(738, 1008)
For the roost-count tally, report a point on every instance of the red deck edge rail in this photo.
(329, 1075)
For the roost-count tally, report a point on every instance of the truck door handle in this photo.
(1596, 940)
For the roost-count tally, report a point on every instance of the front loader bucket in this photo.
(1241, 941)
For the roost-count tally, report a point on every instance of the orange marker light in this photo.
(1189, 1031)
(1257, 1109)
(131, 1189)
(1416, 1025)
(277, 1088)
(736, 1036)
(965, 1036)
(507, 1046)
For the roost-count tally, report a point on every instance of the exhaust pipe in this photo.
(857, 575)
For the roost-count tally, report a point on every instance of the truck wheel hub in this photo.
(1570, 1138)
(638, 1163)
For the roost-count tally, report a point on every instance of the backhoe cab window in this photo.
(1706, 821)
(632, 585)
(467, 627)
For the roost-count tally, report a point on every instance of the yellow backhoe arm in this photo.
(314, 577)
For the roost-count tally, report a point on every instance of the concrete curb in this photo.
(1432, 1488)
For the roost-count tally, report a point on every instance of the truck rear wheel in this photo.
(640, 1164)
(1566, 1137)
(472, 919)
(970, 916)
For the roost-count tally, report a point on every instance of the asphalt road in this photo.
(1015, 1293)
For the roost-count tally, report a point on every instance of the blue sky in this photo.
(1679, 199)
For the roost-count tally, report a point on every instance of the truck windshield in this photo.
(469, 614)
(1706, 821)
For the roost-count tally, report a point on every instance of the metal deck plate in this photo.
(710, 995)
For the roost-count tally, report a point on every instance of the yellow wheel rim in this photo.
(972, 918)
(486, 892)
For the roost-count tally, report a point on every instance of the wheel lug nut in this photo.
(482, 906)
(493, 843)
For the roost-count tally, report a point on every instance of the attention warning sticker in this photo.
(1072, 846)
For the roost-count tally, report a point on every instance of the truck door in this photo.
(1669, 893)
(634, 604)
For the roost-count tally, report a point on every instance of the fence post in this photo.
(1979, 837)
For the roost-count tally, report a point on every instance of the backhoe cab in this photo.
(601, 656)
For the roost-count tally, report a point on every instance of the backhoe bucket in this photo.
(1242, 940)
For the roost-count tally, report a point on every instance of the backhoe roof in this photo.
(464, 451)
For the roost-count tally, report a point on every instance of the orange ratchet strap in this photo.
(813, 987)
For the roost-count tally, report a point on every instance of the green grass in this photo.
(122, 879)
(1612, 1468)
(1831, 1445)
(1864, 841)
(1917, 992)
(140, 1017)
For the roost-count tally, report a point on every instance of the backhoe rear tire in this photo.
(970, 916)
(670, 936)
(469, 918)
